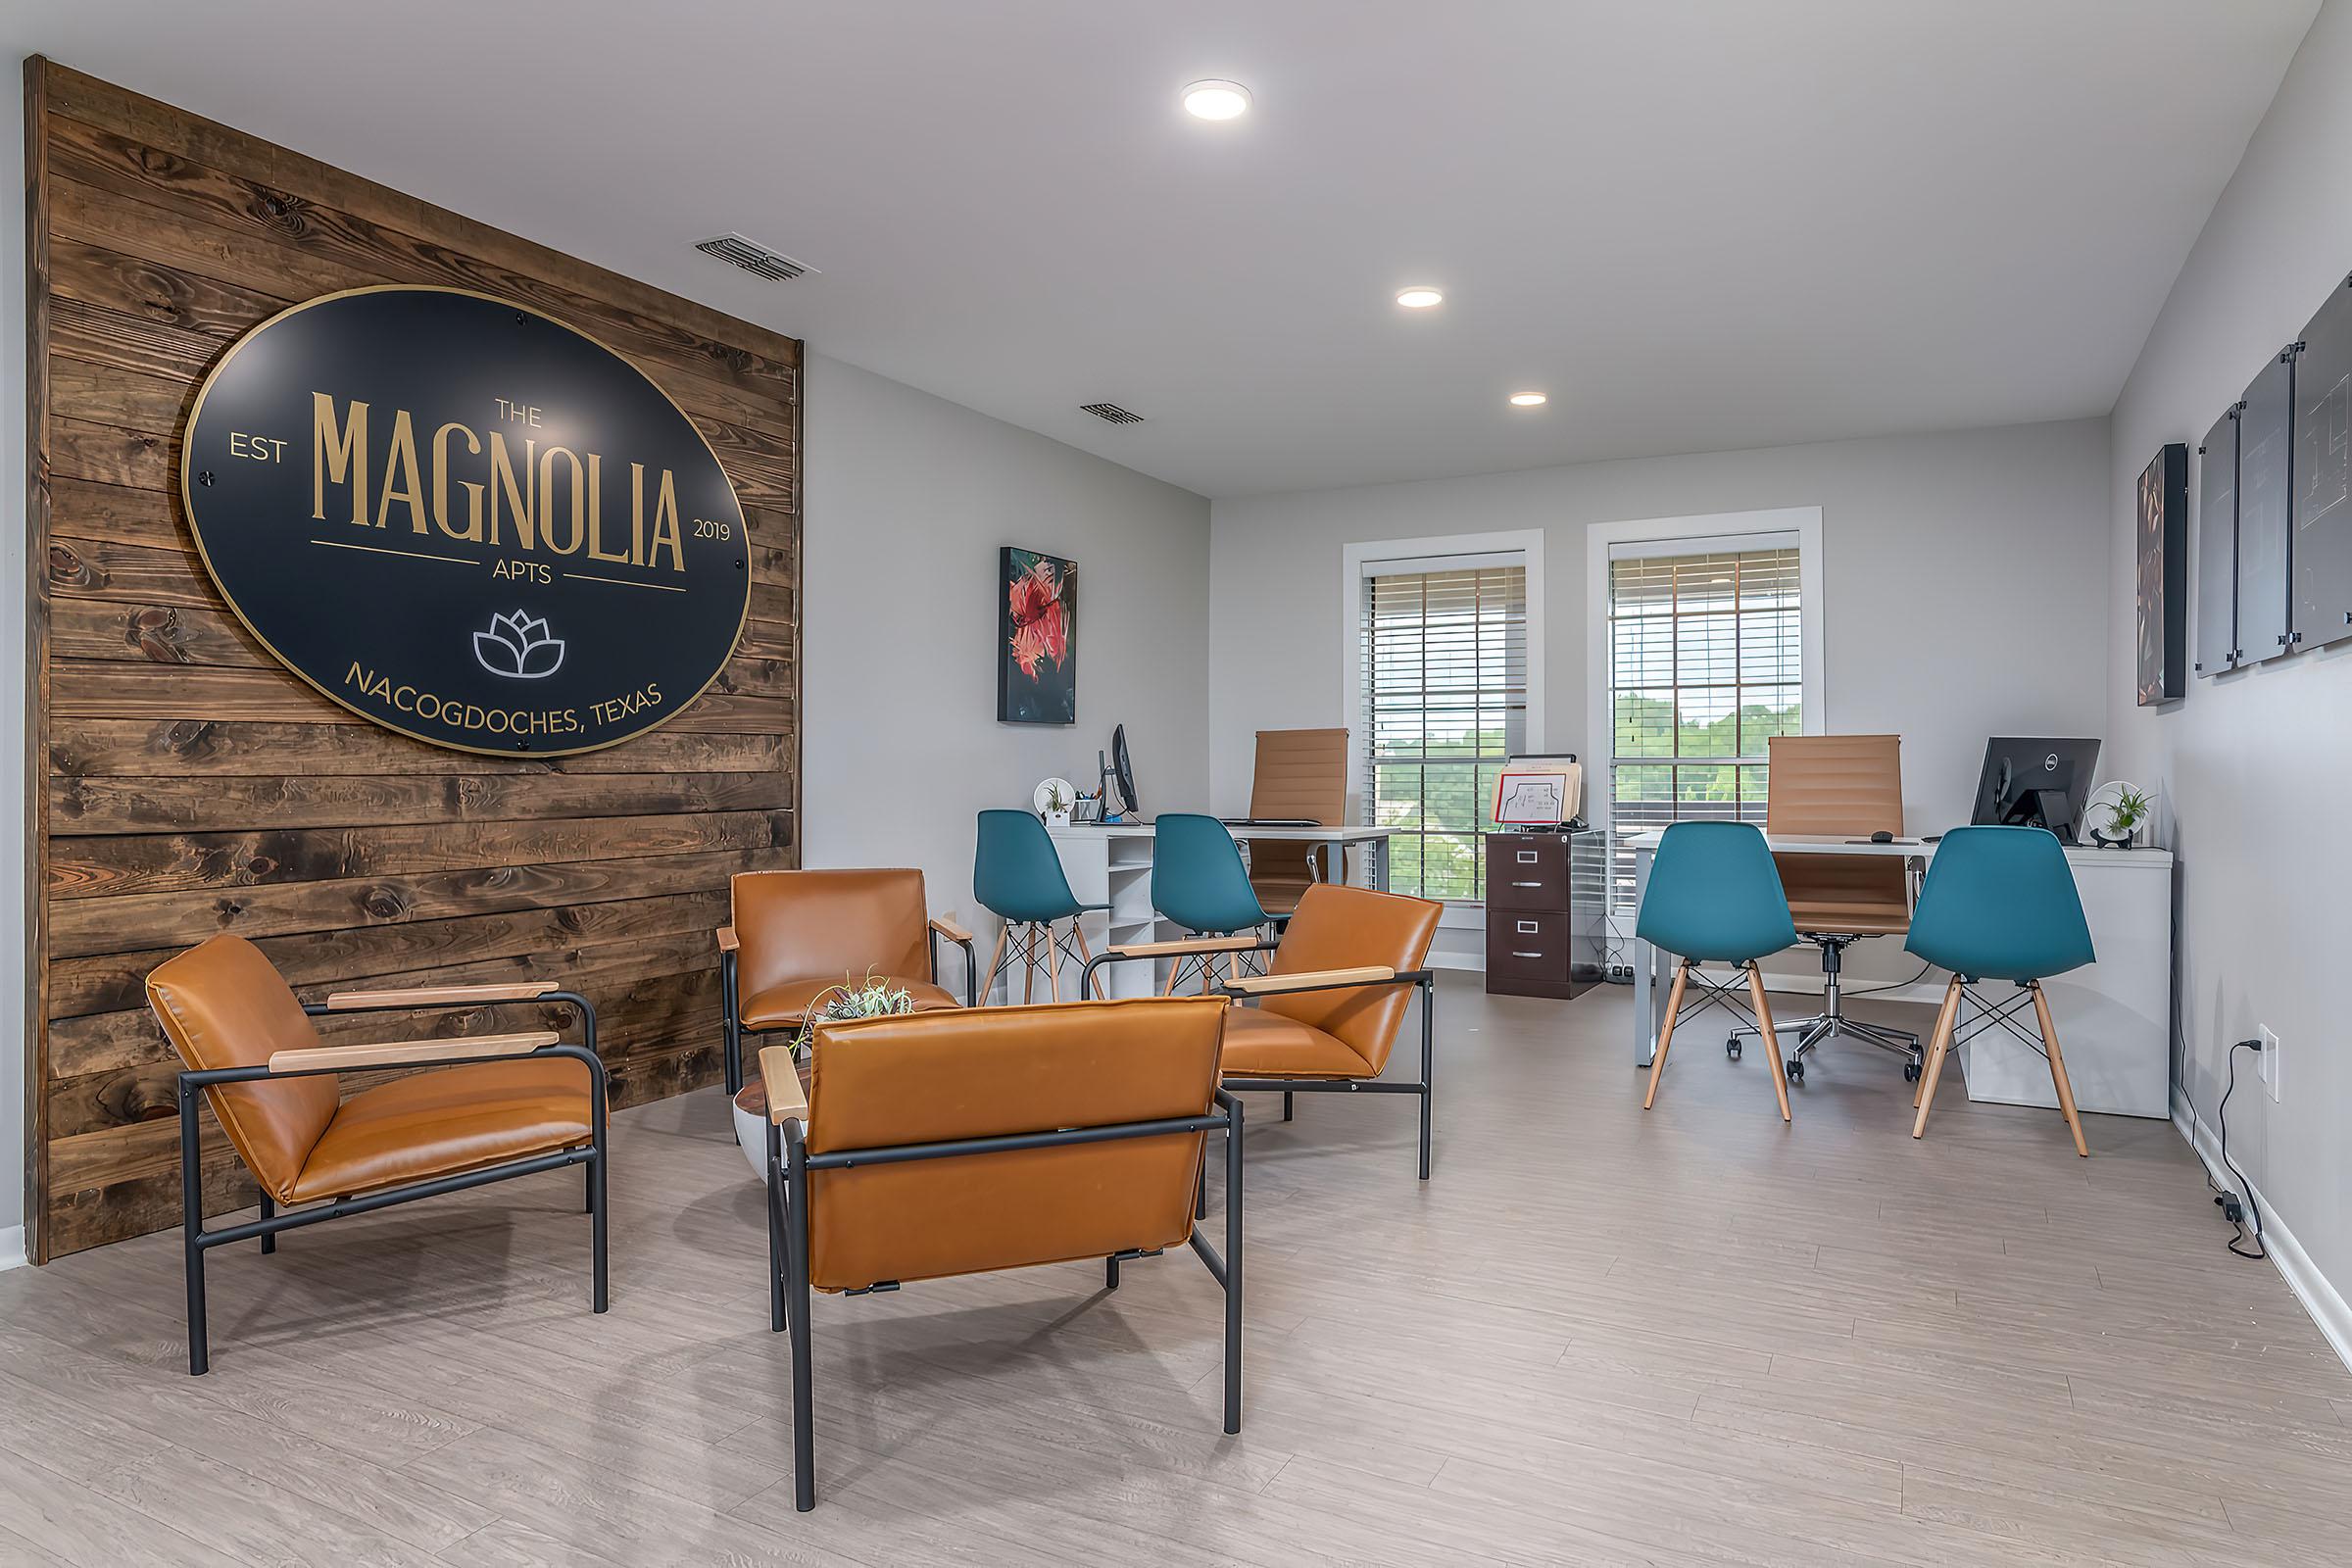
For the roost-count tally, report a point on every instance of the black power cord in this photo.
(2235, 1208)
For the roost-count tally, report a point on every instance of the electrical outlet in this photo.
(2270, 1061)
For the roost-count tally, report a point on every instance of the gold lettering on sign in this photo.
(548, 499)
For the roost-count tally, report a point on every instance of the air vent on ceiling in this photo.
(1111, 413)
(740, 252)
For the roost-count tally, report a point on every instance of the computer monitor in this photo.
(2034, 781)
(1120, 771)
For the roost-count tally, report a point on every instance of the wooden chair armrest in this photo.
(726, 938)
(946, 927)
(441, 996)
(409, 1052)
(786, 1100)
(1183, 945)
(1262, 985)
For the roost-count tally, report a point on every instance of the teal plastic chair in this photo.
(1714, 897)
(1018, 877)
(1200, 883)
(1999, 903)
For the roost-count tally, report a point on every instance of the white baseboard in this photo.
(12, 1247)
(2319, 1297)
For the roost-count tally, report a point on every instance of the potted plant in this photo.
(870, 998)
(1058, 806)
(2127, 814)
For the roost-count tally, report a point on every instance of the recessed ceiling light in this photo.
(1528, 400)
(1217, 100)
(1420, 297)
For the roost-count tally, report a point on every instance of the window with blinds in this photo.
(1444, 691)
(1706, 666)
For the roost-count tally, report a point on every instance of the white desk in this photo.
(2114, 1016)
(1113, 864)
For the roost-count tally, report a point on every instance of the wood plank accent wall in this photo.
(186, 784)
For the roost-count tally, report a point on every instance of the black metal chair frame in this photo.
(1423, 979)
(790, 1167)
(196, 1241)
(731, 998)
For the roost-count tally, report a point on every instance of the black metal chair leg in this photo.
(734, 1025)
(1288, 1109)
(804, 1405)
(1233, 1269)
(774, 1198)
(1111, 1273)
(269, 1211)
(1429, 1002)
(191, 1204)
(1201, 1183)
(600, 1153)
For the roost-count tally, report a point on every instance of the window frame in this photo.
(1705, 535)
(1435, 552)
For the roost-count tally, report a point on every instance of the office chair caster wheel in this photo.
(1732, 1048)
(1796, 1072)
(1910, 1072)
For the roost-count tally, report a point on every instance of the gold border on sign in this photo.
(187, 503)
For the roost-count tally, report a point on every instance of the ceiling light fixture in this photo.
(1420, 297)
(1217, 100)
(1528, 400)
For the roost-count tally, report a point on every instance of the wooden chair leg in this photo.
(1052, 964)
(1945, 1022)
(1772, 1041)
(2058, 1078)
(1028, 965)
(1946, 1017)
(1078, 930)
(996, 960)
(1175, 973)
(1674, 1007)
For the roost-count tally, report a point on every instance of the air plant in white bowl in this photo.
(870, 998)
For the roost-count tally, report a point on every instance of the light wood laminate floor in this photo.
(1695, 1335)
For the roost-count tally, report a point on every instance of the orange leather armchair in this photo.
(1332, 999)
(490, 1107)
(933, 1145)
(795, 935)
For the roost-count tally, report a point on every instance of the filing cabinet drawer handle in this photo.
(1527, 857)
(1518, 955)
(1527, 884)
(1527, 929)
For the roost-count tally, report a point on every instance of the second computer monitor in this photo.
(2035, 781)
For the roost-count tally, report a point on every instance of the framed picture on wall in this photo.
(1037, 638)
(2162, 585)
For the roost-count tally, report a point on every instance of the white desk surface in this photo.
(1647, 840)
(1303, 835)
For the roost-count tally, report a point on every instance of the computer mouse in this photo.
(1882, 836)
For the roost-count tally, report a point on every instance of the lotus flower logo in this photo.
(518, 647)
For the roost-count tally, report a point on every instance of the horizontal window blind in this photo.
(1705, 666)
(1444, 692)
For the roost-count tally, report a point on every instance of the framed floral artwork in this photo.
(1037, 638)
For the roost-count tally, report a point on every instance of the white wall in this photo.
(2253, 766)
(1963, 587)
(13, 1058)
(908, 497)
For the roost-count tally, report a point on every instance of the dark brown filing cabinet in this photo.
(1540, 942)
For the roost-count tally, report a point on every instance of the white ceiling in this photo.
(1696, 224)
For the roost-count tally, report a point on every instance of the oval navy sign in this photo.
(466, 520)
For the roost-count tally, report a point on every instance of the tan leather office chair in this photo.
(933, 1145)
(1332, 999)
(798, 935)
(1840, 786)
(490, 1107)
(1302, 775)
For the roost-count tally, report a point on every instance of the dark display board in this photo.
(466, 520)
(2162, 590)
(2216, 547)
(2265, 497)
(2323, 515)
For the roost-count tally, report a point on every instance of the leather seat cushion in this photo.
(786, 1006)
(445, 1120)
(1267, 1045)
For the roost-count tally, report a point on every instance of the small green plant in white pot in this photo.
(2129, 811)
(1057, 807)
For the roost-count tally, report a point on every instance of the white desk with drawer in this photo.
(2114, 1016)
